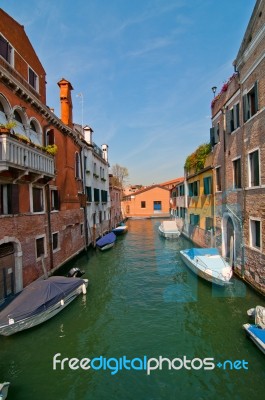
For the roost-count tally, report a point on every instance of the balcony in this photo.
(19, 156)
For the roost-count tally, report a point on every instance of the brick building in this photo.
(237, 136)
(43, 193)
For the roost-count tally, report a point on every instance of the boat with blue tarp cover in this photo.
(257, 335)
(106, 242)
(208, 264)
(256, 331)
(40, 301)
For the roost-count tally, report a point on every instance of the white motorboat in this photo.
(208, 264)
(169, 230)
(4, 390)
(257, 335)
(40, 301)
(120, 230)
(106, 242)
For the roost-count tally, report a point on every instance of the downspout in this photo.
(47, 192)
(84, 203)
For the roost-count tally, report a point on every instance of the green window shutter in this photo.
(236, 115)
(245, 108)
(228, 117)
(212, 137)
(216, 134)
(256, 96)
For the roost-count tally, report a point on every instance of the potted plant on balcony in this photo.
(6, 128)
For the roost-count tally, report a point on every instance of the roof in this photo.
(145, 189)
(247, 39)
(173, 181)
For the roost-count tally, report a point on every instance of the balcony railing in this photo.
(19, 155)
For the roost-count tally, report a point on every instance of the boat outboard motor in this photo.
(75, 273)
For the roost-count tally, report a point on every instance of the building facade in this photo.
(237, 134)
(43, 207)
(152, 201)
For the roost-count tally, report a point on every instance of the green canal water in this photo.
(141, 301)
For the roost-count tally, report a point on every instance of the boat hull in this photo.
(20, 325)
(168, 235)
(204, 274)
(259, 343)
(120, 230)
(106, 247)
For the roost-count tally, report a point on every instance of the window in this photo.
(96, 195)
(9, 199)
(104, 196)
(218, 179)
(194, 188)
(232, 118)
(77, 166)
(5, 50)
(33, 79)
(40, 247)
(182, 212)
(19, 123)
(194, 219)
(255, 233)
(55, 241)
(207, 185)
(127, 209)
(157, 206)
(38, 199)
(215, 134)
(250, 102)
(82, 229)
(50, 137)
(208, 223)
(143, 204)
(89, 193)
(181, 190)
(237, 173)
(3, 117)
(55, 203)
(254, 175)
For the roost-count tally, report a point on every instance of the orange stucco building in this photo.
(152, 201)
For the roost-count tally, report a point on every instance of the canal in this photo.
(141, 303)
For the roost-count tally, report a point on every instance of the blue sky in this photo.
(145, 69)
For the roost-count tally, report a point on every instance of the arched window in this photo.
(3, 119)
(35, 133)
(19, 128)
(4, 110)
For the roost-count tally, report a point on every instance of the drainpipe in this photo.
(84, 192)
(48, 203)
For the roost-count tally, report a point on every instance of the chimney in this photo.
(66, 102)
(88, 134)
(104, 148)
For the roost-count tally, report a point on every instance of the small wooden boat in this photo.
(40, 301)
(208, 264)
(4, 390)
(169, 230)
(106, 242)
(120, 230)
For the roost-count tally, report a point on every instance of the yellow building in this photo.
(200, 203)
